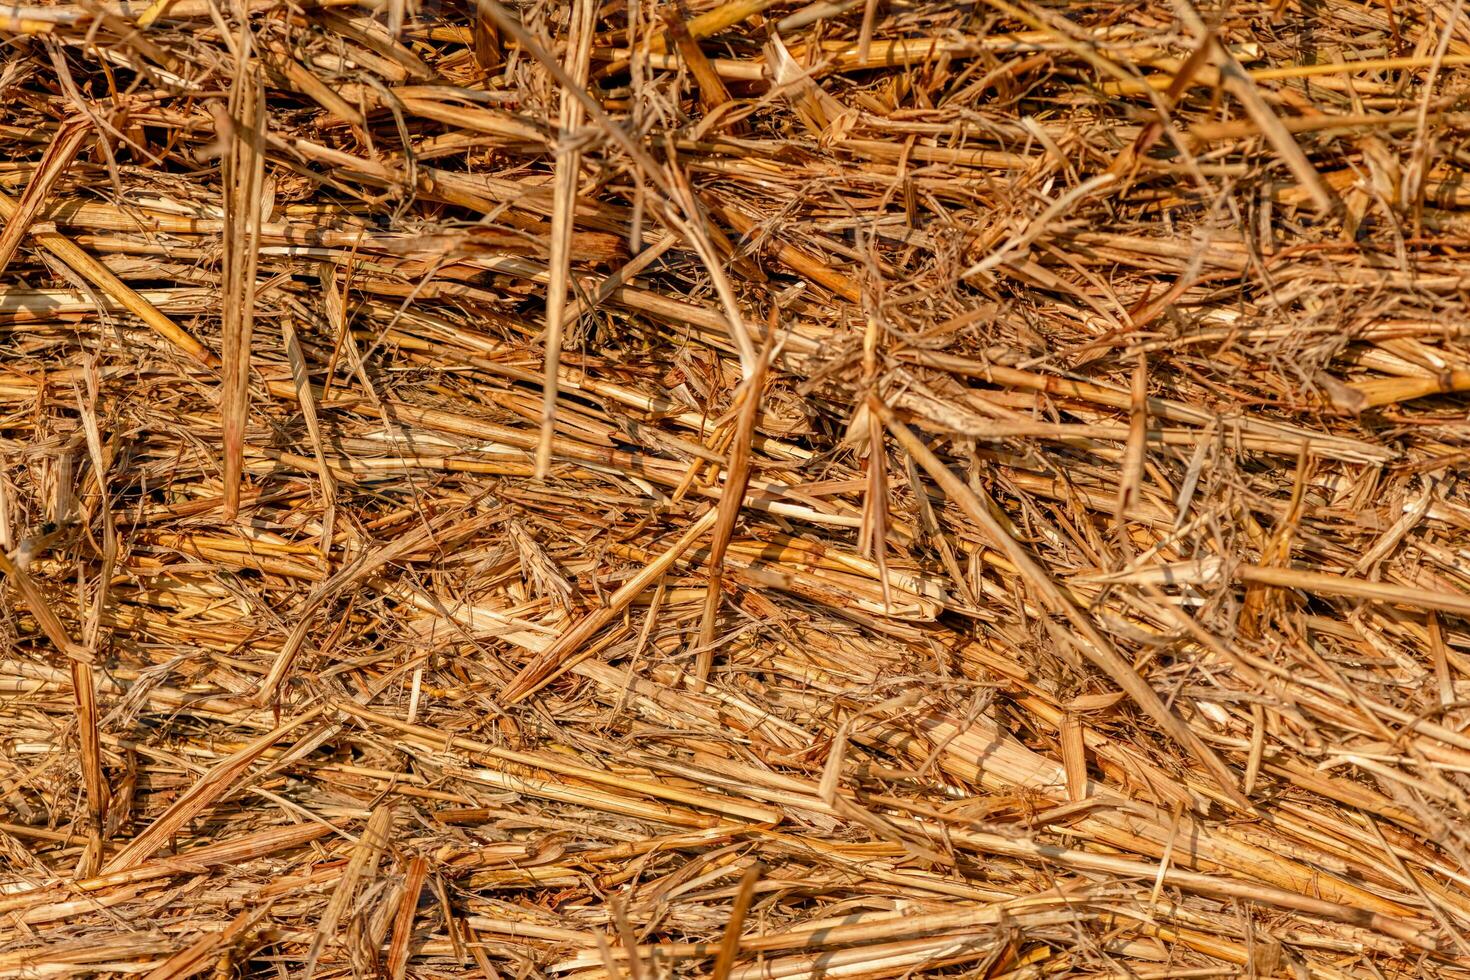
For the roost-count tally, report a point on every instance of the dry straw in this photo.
(734, 489)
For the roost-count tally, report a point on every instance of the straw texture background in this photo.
(750, 489)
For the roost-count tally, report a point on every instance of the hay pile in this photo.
(748, 489)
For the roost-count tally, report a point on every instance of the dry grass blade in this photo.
(564, 206)
(559, 657)
(401, 948)
(301, 380)
(1239, 83)
(88, 723)
(111, 286)
(1131, 481)
(219, 781)
(244, 176)
(730, 944)
(53, 164)
(40, 608)
(737, 479)
(209, 949)
(366, 852)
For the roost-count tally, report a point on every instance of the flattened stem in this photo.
(737, 479)
(244, 179)
(563, 219)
